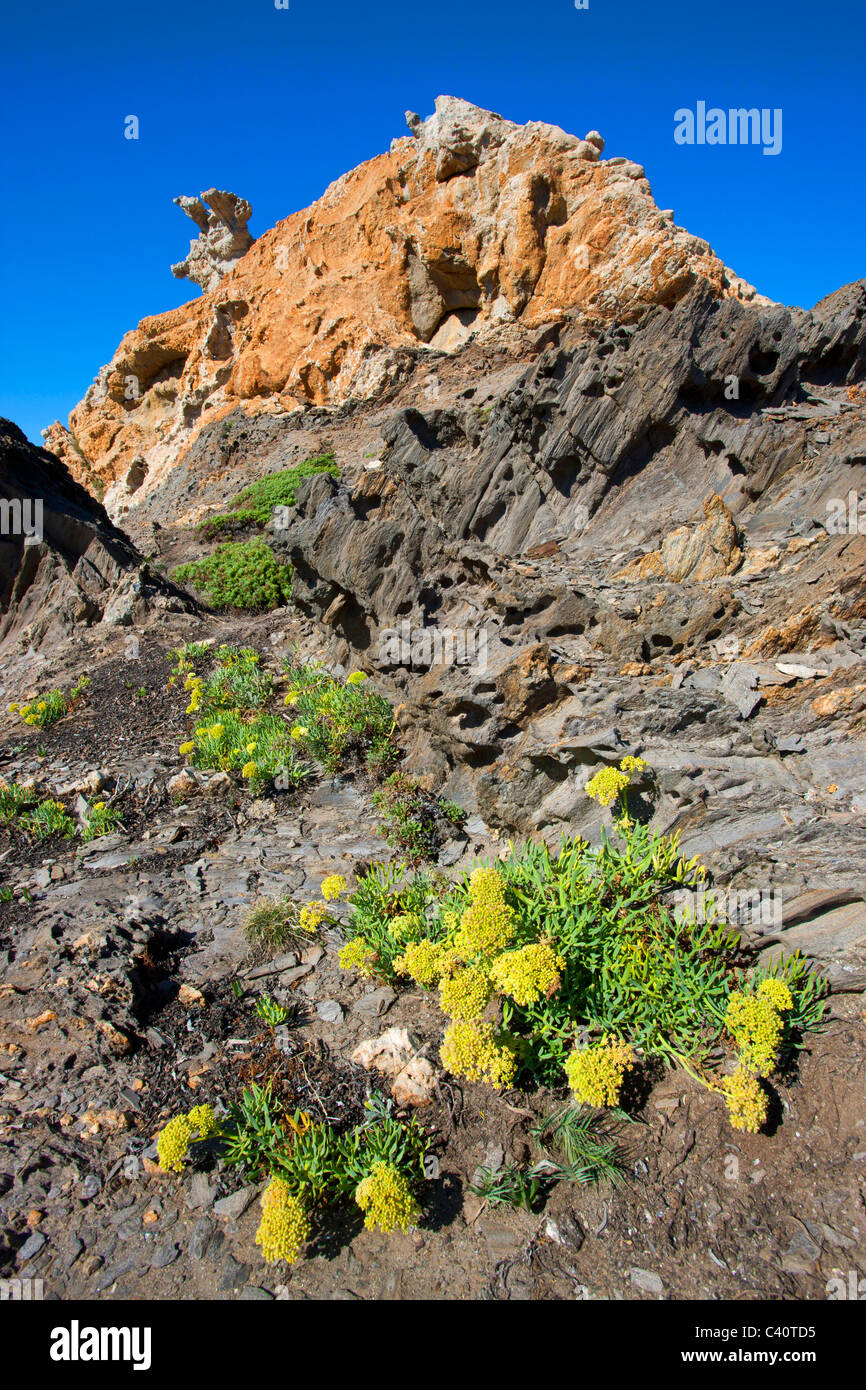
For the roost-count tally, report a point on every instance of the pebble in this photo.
(32, 1245)
(647, 1281)
(375, 1003)
(236, 1203)
(165, 1255)
(199, 1238)
(330, 1011)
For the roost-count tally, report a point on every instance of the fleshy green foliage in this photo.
(340, 719)
(101, 820)
(389, 911)
(377, 1164)
(48, 818)
(254, 505)
(238, 681)
(191, 655)
(273, 925)
(46, 709)
(270, 1011)
(630, 969)
(583, 963)
(258, 746)
(13, 799)
(234, 732)
(414, 820)
(244, 575)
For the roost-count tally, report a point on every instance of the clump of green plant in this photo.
(590, 1156)
(255, 504)
(237, 680)
(565, 966)
(340, 719)
(271, 1011)
(190, 656)
(100, 820)
(46, 709)
(273, 925)
(377, 1166)
(514, 1186)
(244, 575)
(258, 746)
(414, 820)
(13, 799)
(49, 818)
(392, 909)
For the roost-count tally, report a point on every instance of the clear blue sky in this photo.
(274, 104)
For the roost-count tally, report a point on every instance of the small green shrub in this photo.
(47, 819)
(101, 819)
(258, 746)
(46, 709)
(273, 925)
(255, 504)
(13, 799)
(312, 1168)
(413, 820)
(340, 719)
(244, 575)
(391, 908)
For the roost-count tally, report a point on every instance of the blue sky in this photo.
(274, 104)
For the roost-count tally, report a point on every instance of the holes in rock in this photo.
(763, 363)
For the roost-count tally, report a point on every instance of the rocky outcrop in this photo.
(63, 564)
(470, 227)
(223, 237)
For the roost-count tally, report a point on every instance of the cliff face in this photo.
(63, 564)
(470, 226)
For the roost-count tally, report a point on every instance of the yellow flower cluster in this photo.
(424, 961)
(311, 916)
(529, 973)
(386, 1198)
(185, 748)
(356, 678)
(607, 785)
(172, 1144)
(284, 1226)
(298, 732)
(471, 1050)
(778, 994)
(249, 770)
(333, 887)
(596, 1073)
(195, 685)
(291, 698)
(357, 955)
(631, 764)
(174, 1139)
(487, 925)
(757, 1027)
(746, 1099)
(466, 994)
(203, 1121)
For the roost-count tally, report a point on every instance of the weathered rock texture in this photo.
(471, 225)
(63, 564)
(223, 237)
